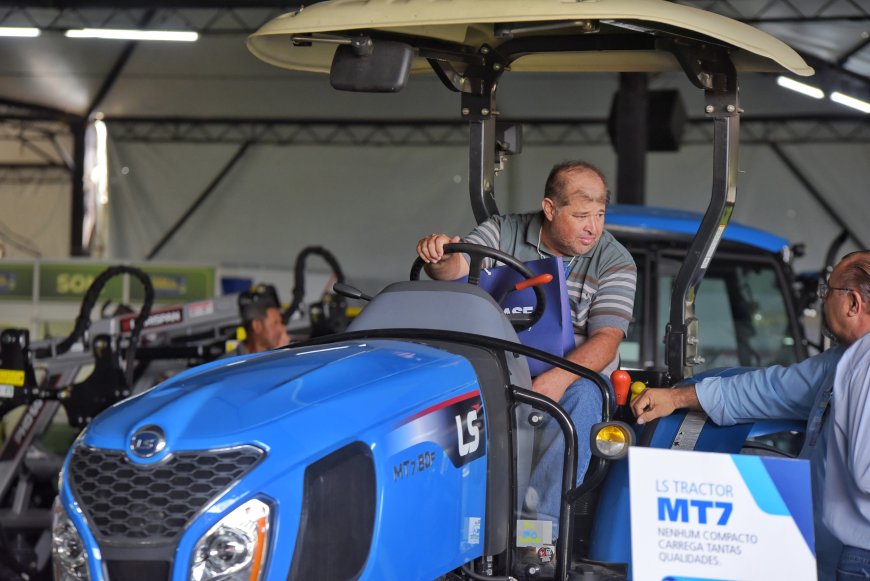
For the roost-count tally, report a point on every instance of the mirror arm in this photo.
(479, 108)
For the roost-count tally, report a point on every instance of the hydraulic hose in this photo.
(299, 275)
(83, 321)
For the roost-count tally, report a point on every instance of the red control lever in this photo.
(534, 281)
(621, 381)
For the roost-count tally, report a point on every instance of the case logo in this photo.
(148, 441)
(519, 310)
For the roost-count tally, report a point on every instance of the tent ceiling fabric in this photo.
(67, 74)
(217, 79)
(828, 43)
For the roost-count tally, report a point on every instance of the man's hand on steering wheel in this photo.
(431, 248)
(477, 254)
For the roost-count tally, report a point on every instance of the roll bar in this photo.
(708, 67)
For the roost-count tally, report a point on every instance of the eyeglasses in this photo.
(824, 290)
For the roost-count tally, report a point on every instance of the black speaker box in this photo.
(666, 118)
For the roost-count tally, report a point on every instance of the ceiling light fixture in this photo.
(122, 34)
(19, 31)
(852, 102)
(801, 88)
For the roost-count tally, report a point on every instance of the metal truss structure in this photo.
(204, 20)
(217, 17)
(48, 140)
(44, 140)
(30, 174)
(833, 72)
(785, 10)
(49, 136)
(207, 20)
(46, 143)
(222, 17)
(847, 129)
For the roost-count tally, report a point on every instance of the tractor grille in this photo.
(130, 504)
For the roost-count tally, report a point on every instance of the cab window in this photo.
(742, 312)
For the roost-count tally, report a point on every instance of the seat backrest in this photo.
(435, 305)
(554, 333)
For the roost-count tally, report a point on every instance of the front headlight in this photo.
(611, 440)
(235, 548)
(69, 557)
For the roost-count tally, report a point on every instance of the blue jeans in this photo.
(582, 402)
(854, 564)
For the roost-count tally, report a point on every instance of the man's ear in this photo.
(257, 326)
(549, 209)
(856, 305)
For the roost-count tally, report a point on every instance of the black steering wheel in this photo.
(477, 253)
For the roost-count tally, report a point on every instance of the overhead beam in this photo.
(800, 19)
(111, 77)
(202, 18)
(784, 10)
(844, 58)
(560, 131)
(199, 200)
(32, 111)
(836, 77)
(14, 174)
(41, 153)
(817, 195)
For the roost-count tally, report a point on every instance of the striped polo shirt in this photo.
(601, 283)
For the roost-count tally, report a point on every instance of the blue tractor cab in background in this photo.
(747, 301)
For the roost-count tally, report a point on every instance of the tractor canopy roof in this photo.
(540, 36)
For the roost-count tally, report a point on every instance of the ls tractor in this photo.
(402, 448)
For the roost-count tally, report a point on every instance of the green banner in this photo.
(69, 281)
(16, 282)
(177, 284)
(62, 282)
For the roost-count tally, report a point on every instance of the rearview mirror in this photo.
(371, 66)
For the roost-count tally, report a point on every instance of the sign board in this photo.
(177, 284)
(16, 281)
(700, 515)
(69, 281)
(159, 318)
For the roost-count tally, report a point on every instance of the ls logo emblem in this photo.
(466, 448)
(148, 441)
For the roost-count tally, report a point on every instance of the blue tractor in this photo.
(401, 449)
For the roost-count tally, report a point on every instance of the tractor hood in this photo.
(306, 40)
(264, 399)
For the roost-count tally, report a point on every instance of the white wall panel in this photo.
(38, 215)
(369, 205)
